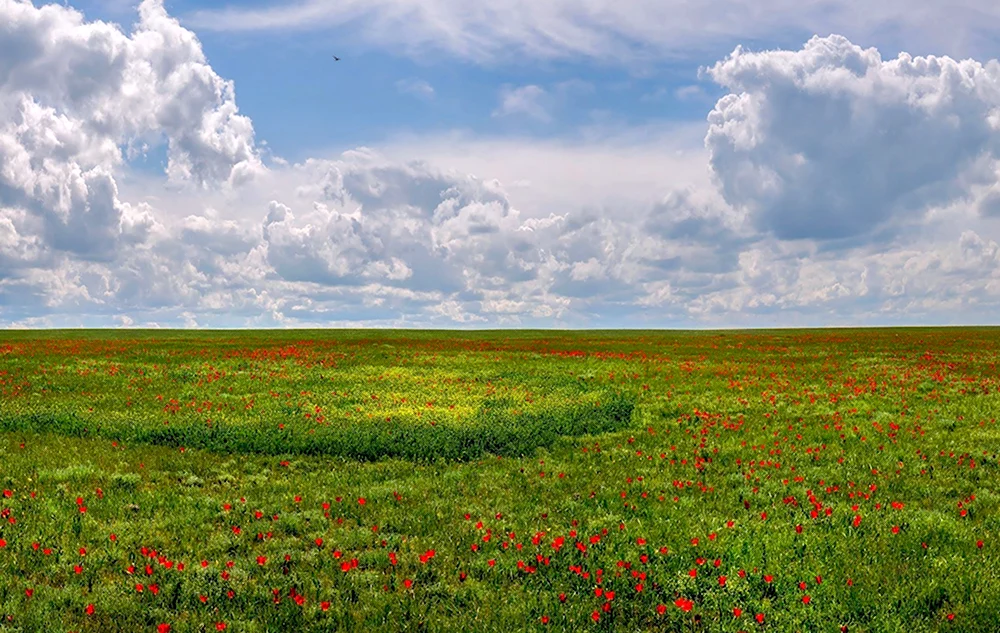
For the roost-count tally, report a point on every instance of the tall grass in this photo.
(496, 429)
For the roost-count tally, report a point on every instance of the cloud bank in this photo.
(834, 187)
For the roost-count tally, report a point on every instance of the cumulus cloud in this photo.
(73, 94)
(832, 141)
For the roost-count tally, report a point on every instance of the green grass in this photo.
(645, 440)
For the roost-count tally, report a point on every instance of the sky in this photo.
(517, 163)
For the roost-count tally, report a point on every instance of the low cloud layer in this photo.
(834, 187)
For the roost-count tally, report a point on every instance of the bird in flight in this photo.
(336, 59)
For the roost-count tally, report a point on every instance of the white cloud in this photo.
(611, 31)
(530, 101)
(606, 167)
(74, 93)
(832, 141)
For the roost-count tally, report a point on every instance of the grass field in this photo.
(786, 481)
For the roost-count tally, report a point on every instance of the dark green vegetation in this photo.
(500, 481)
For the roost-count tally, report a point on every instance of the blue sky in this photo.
(510, 164)
(303, 103)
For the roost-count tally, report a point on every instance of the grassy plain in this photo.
(810, 480)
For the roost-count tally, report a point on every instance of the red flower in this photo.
(661, 609)
(737, 612)
(722, 581)
(760, 618)
(324, 606)
(90, 609)
(684, 604)
(806, 599)
(220, 626)
(407, 583)
(163, 628)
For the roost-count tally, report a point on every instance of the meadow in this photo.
(785, 481)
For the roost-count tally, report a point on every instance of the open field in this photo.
(822, 480)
